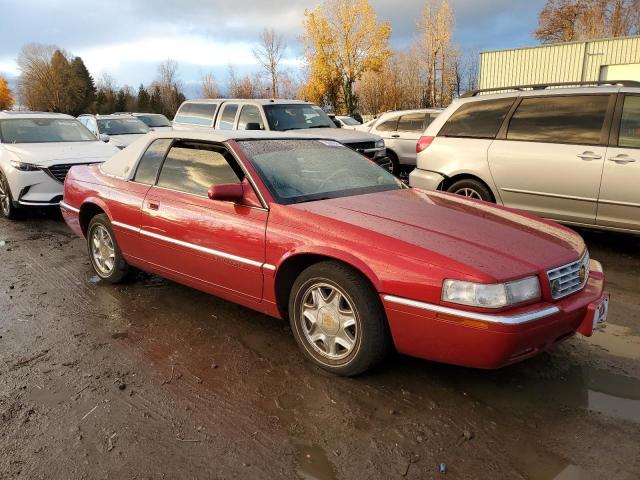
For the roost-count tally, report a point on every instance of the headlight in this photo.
(24, 167)
(491, 295)
(380, 144)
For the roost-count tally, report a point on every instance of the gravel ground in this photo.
(155, 380)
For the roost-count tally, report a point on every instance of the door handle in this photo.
(622, 158)
(395, 136)
(589, 156)
(153, 206)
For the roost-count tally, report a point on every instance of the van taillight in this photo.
(423, 143)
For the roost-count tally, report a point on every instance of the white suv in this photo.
(36, 152)
(567, 153)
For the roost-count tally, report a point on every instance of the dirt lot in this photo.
(155, 380)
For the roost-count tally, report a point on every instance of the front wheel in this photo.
(471, 188)
(6, 201)
(337, 319)
(106, 257)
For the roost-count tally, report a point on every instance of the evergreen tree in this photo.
(143, 99)
(121, 101)
(84, 86)
(155, 103)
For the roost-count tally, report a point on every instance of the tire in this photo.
(472, 188)
(349, 327)
(7, 208)
(105, 255)
(395, 168)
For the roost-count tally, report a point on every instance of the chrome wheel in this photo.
(468, 192)
(5, 199)
(328, 321)
(103, 251)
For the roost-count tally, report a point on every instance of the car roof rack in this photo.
(543, 86)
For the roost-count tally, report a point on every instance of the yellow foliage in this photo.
(6, 96)
(343, 39)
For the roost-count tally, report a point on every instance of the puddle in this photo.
(313, 464)
(617, 340)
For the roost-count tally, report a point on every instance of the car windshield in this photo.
(44, 130)
(352, 122)
(121, 126)
(298, 171)
(296, 117)
(155, 120)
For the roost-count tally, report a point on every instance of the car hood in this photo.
(62, 152)
(489, 240)
(340, 134)
(124, 140)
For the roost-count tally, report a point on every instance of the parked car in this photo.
(358, 263)
(155, 121)
(118, 129)
(36, 151)
(401, 130)
(347, 122)
(570, 154)
(365, 127)
(276, 115)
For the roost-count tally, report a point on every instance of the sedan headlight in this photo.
(380, 143)
(491, 295)
(24, 167)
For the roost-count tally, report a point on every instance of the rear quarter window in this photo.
(196, 113)
(480, 119)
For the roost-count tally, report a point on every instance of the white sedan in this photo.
(36, 152)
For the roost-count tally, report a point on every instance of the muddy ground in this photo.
(155, 380)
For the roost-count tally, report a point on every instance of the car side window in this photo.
(196, 113)
(479, 119)
(390, 125)
(576, 119)
(150, 162)
(228, 116)
(413, 122)
(250, 114)
(629, 136)
(193, 167)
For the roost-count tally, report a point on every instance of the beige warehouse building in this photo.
(606, 59)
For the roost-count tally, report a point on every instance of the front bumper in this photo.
(34, 188)
(425, 179)
(470, 340)
(384, 161)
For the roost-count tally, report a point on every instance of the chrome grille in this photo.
(361, 147)
(569, 278)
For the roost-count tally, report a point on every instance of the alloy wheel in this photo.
(468, 192)
(5, 199)
(328, 321)
(102, 250)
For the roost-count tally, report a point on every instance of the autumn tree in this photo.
(569, 20)
(6, 95)
(209, 86)
(169, 87)
(343, 39)
(245, 86)
(269, 53)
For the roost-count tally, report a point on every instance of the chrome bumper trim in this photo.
(37, 204)
(66, 206)
(483, 317)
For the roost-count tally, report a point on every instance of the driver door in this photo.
(219, 246)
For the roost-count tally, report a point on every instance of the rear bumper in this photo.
(425, 179)
(501, 339)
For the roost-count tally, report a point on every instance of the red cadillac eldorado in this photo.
(311, 231)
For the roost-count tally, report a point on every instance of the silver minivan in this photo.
(401, 130)
(567, 153)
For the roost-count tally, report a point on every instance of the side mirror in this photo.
(253, 126)
(227, 192)
(104, 137)
(337, 122)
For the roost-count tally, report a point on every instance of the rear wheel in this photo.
(471, 188)
(106, 257)
(395, 163)
(6, 200)
(337, 319)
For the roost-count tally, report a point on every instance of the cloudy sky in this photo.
(128, 38)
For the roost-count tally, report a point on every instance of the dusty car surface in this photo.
(358, 263)
(120, 130)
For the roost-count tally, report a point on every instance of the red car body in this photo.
(406, 242)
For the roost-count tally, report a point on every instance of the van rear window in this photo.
(481, 119)
(196, 113)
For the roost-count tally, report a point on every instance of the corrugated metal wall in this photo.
(564, 62)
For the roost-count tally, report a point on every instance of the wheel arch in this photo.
(450, 180)
(294, 264)
(89, 209)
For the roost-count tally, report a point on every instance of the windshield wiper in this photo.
(321, 126)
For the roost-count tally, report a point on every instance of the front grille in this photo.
(362, 146)
(59, 172)
(569, 278)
